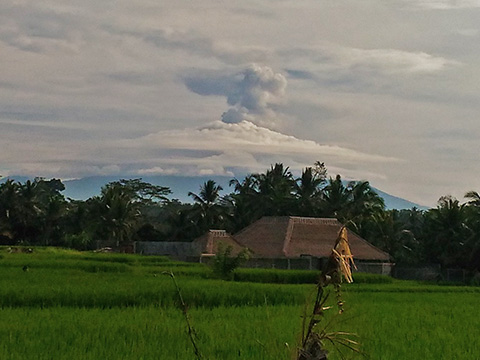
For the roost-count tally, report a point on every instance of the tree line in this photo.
(37, 213)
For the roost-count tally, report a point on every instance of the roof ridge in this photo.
(288, 235)
(313, 220)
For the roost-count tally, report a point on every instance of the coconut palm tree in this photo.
(275, 190)
(335, 198)
(308, 192)
(445, 240)
(209, 194)
(8, 206)
(119, 214)
(364, 202)
(473, 198)
(242, 206)
(207, 211)
(181, 226)
(472, 209)
(389, 231)
(352, 203)
(26, 210)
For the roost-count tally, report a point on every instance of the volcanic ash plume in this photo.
(253, 94)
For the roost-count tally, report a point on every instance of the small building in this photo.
(208, 244)
(302, 242)
(204, 246)
(283, 242)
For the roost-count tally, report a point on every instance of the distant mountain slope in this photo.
(394, 202)
(87, 187)
(84, 188)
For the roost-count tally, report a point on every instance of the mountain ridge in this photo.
(87, 187)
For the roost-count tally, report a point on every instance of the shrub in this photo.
(82, 241)
(224, 263)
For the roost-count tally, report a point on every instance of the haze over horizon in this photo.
(380, 91)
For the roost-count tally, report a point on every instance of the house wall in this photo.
(104, 244)
(187, 251)
(313, 263)
(306, 263)
(176, 250)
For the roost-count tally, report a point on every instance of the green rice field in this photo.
(73, 305)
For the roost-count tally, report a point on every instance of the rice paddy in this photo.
(69, 305)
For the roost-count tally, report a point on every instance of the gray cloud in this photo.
(193, 43)
(446, 4)
(250, 93)
(300, 74)
(385, 62)
(142, 78)
(212, 83)
(400, 73)
(37, 28)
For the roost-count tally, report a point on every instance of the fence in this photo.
(192, 252)
(431, 272)
(426, 272)
(177, 250)
(303, 263)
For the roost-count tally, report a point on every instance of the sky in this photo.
(384, 91)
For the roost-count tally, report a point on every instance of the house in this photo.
(209, 243)
(205, 246)
(284, 242)
(291, 237)
(293, 242)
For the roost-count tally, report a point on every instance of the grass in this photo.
(416, 325)
(79, 288)
(72, 305)
(387, 330)
(143, 333)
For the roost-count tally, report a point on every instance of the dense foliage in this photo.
(37, 213)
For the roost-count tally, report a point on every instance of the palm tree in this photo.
(28, 212)
(472, 209)
(364, 202)
(119, 214)
(335, 197)
(447, 233)
(242, 206)
(474, 198)
(275, 190)
(207, 211)
(181, 226)
(307, 192)
(26, 209)
(352, 203)
(54, 213)
(388, 231)
(8, 206)
(209, 194)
